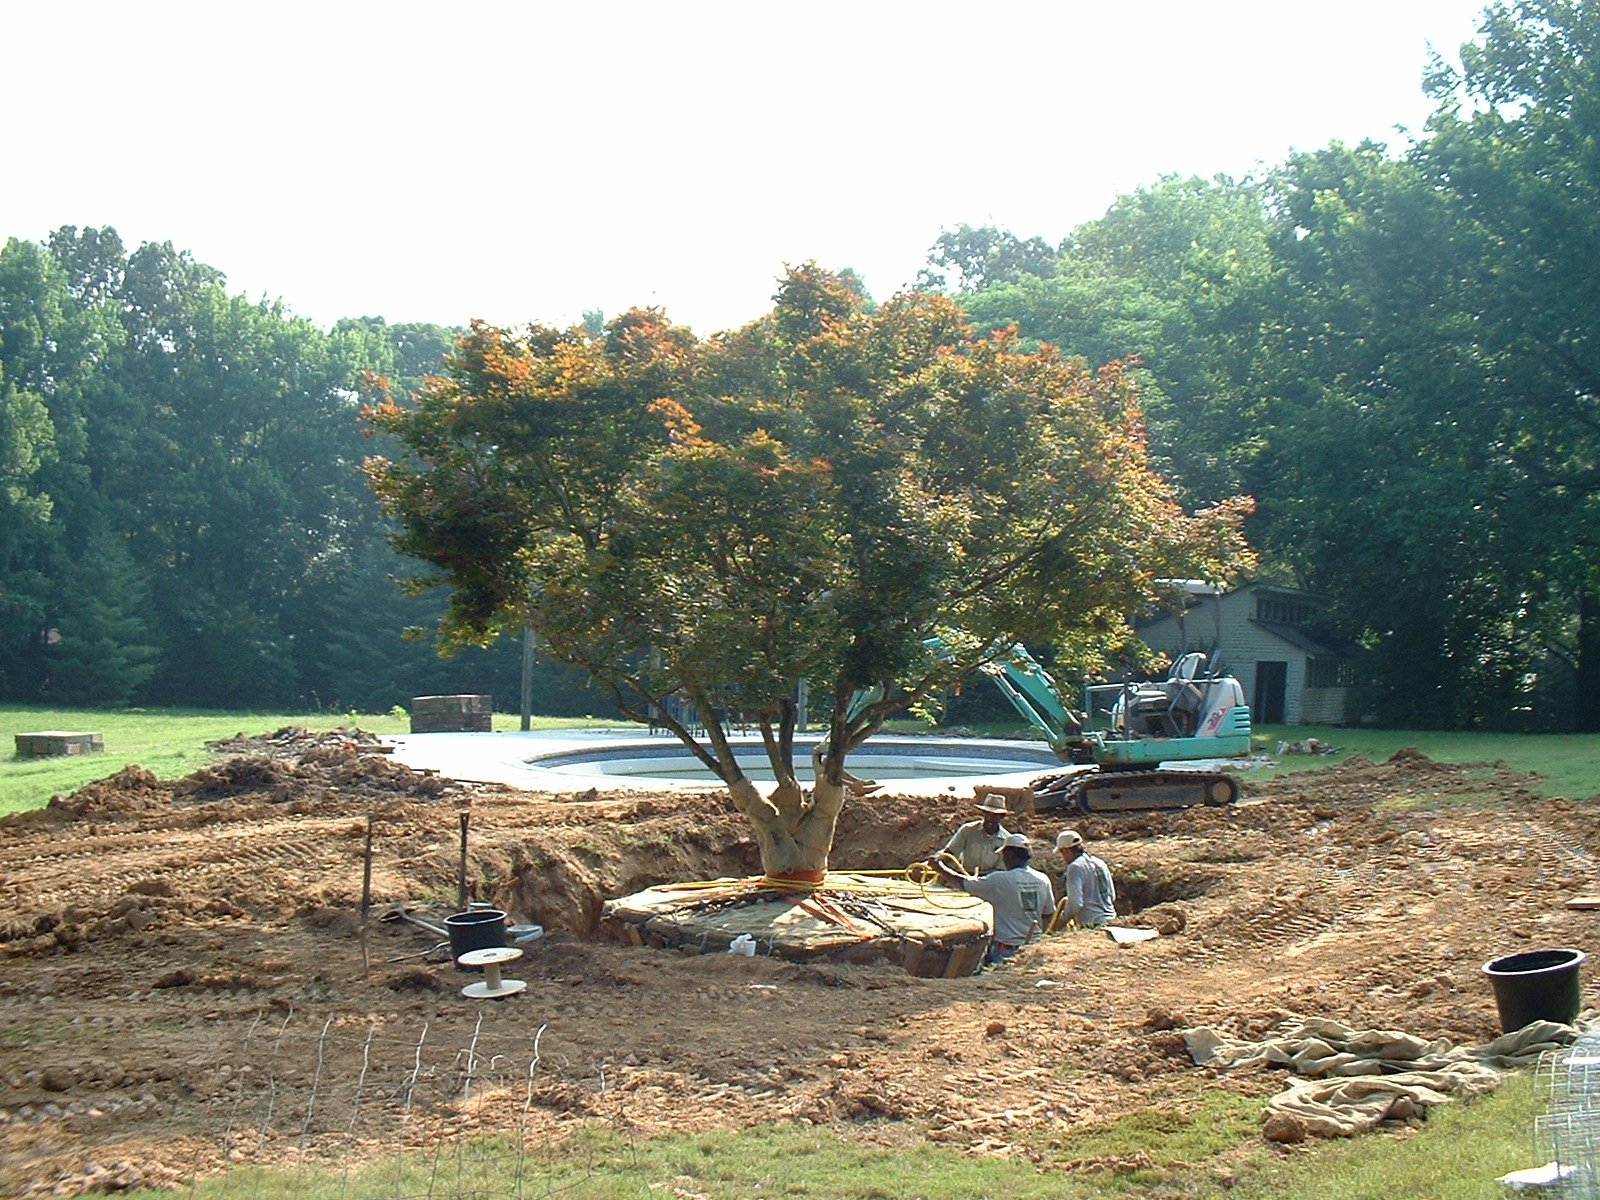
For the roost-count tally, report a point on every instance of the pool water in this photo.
(887, 761)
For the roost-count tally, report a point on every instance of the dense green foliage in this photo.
(182, 515)
(1396, 355)
(1392, 349)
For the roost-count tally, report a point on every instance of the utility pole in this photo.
(529, 641)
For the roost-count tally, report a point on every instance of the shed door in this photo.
(1272, 679)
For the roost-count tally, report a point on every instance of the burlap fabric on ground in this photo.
(1351, 1079)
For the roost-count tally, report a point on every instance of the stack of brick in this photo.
(451, 714)
(49, 742)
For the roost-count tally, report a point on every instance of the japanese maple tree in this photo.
(808, 498)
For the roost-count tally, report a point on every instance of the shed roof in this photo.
(1295, 636)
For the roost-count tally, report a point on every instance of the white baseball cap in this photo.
(1067, 839)
(1017, 841)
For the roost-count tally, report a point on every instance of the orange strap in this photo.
(823, 909)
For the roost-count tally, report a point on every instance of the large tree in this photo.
(1382, 479)
(1174, 274)
(969, 258)
(806, 499)
(53, 356)
(1513, 145)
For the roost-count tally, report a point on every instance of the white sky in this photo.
(527, 161)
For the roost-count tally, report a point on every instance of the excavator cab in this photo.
(1188, 703)
(1166, 709)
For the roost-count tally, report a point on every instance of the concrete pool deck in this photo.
(513, 759)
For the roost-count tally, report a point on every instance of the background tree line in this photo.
(1397, 354)
(183, 520)
(1394, 350)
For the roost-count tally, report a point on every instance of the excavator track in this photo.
(1135, 791)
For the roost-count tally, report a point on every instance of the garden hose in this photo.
(1055, 917)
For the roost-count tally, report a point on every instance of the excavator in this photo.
(1122, 746)
(1121, 749)
(1125, 748)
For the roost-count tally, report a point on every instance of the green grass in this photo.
(1457, 1155)
(1206, 1149)
(168, 742)
(1194, 1127)
(1568, 764)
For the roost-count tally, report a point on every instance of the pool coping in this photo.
(511, 758)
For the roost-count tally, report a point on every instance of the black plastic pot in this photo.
(476, 929)
(1537, 985)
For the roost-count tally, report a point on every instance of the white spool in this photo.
(493, 987)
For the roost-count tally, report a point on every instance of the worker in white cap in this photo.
(1020, 896)
(976, 845)
(1088, 896)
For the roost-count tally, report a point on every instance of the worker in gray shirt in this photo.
(1020, 896)
(1088, 896)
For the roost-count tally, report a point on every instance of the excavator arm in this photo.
(1035, 696)
(1021, 680)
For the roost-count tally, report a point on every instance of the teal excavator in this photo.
(1121, 749)
(1127, 747)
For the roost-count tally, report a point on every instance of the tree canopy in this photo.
(1394, 353)
(807, 499)
(182, 515)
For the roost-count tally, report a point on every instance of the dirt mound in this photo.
(149, 927)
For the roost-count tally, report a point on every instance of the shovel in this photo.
(400, 914)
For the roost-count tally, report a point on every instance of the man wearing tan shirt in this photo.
(977, 843)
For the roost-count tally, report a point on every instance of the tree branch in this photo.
(664, 718)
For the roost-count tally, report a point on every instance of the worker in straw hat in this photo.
(1020, 897)
(1088, 896)
(976, 845)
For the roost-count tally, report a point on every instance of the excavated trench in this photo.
(1139, 889)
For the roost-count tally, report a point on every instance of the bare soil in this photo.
(152, 933)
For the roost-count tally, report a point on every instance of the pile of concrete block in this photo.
(452, 714)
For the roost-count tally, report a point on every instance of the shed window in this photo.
(1284, 612)
(1330, 672)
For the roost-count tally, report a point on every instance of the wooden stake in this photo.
(366, 896)
(461, 874)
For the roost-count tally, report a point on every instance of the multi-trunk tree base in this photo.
(930, 930)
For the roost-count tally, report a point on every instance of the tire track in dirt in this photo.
(100, 866)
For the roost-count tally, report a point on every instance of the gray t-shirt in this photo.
(1021, 898)
(1091, 896)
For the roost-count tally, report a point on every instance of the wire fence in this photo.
(1567, 1134)
(331, 1111)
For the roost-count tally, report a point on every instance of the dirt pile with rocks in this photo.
(163, 943)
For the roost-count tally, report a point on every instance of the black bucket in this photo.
(476, 929)
(1537, 985)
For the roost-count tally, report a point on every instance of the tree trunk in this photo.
(794, 830)
(1588, 666)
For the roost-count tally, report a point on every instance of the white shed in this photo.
(1258, 634)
